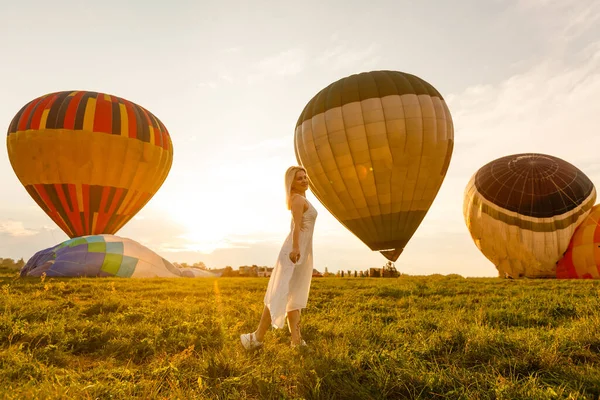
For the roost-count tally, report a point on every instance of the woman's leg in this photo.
(263, 325)
(293, 318)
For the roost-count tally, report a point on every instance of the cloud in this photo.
(235, 67)
(189, 243)
(342, 56)
(221, 79)
(16, 229)
(229, 50)
(285, 63)
(288, 62)
(208, 84)
(552, 107)
(202, 225)
(561, 20)
(268, 146)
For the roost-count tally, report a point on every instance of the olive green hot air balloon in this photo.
(376, 147)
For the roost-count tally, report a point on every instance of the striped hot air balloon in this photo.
(522, 210)
(376, 147)
(90, 160)
(582, 258)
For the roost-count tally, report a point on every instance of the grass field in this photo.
(412, 337)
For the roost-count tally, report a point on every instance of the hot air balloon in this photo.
(582, 258)
(376, 147)
(104, 256)
(90, 160)
(522, 210)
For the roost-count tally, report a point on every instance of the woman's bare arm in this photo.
(298, 204)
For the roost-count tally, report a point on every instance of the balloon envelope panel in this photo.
(582, 258)
(376, 147)
(100, 255)
(523, 209)
(90, 160)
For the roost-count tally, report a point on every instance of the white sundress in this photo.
(290, 283)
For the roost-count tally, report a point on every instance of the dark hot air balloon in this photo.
(376, 147)
(522, 210)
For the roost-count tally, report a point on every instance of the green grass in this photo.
(412, 337)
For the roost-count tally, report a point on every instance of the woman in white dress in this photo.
(289, 284)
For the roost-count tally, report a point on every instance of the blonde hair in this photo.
(290, 175)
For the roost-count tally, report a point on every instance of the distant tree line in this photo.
(247, 271)
(9, 263)
(198, 265)
(387, 271)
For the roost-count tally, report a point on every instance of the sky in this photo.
(229, 80)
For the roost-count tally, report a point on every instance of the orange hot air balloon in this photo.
(90, 160)
(376, 147)
(582, 258)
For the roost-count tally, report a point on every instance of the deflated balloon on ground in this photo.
(104, 255)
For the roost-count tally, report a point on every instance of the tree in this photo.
(253, 270)
(200, 265)
(9, 263)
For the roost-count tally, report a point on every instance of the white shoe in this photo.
(302, 344)
(249, 341)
